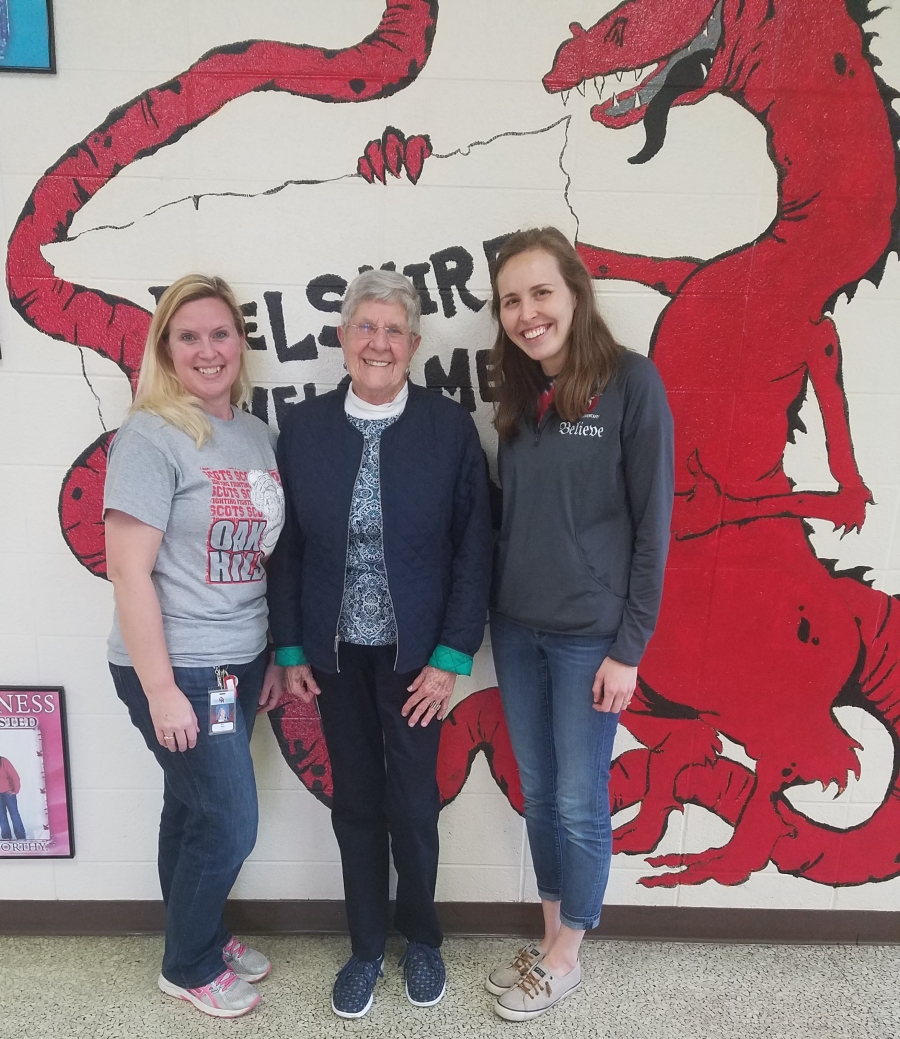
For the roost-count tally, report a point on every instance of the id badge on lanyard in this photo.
(222, 703)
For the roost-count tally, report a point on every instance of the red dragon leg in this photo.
(721, 786)
(674, 744)
(385, 62)
(756, 832)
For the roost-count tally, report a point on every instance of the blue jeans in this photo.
(209, 817)
(563, 749)
(9, 804)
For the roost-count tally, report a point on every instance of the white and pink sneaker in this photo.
(247, 963)
(225, 996)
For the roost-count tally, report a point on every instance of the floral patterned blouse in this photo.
(367, 613)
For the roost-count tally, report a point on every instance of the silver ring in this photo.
(168, 737)
(434, 705)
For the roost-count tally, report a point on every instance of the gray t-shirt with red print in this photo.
(221, 509)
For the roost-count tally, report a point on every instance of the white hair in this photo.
(383, 287)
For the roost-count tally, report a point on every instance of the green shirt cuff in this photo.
(448, 659)
(290, 656)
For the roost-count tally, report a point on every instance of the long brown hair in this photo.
(592, 353)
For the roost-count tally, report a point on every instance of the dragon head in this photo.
(648, 55)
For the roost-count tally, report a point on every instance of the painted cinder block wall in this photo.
(267, 189)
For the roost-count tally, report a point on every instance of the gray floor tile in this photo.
(105, 988)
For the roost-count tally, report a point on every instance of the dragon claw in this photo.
(697, 868)
(418, 149)
(374, 154)
(664, 880)
(666, 861)
(364, 169)
(393, 152)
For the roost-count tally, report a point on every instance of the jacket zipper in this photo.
(337, 630)
(387, 582)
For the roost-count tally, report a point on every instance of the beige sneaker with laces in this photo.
(502, 978)
(536, 993)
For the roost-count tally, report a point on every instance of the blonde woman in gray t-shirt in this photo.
(193, 506)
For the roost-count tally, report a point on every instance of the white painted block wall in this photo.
(711, 189)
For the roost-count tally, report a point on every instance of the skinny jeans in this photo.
(563, 748)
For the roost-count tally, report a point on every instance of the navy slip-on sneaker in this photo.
(425, 974)
(354, 987)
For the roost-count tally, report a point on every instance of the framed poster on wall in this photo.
(35, 794)
(26, 36)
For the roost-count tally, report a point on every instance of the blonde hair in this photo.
(159, 390)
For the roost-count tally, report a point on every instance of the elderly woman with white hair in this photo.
(378, 592)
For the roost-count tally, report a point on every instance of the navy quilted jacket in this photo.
(437, 527)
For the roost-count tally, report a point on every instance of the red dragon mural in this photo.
(775, 639)
(758, 639)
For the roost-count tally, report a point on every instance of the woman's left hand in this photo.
(613, 686)
(272, 688)
(431, 694)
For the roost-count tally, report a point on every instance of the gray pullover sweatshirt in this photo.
(586, 512)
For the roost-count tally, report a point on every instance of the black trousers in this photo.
(385, 783)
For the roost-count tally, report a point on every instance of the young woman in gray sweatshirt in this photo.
(586, 467)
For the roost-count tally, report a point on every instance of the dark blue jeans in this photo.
(209, 817)
(9, 804)
(563, 748)
(385, 784)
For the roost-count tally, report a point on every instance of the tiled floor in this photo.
(105, 988)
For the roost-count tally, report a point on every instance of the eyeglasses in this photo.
(366, 330)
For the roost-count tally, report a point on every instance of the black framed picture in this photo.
(26, 36)
(35, 791)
